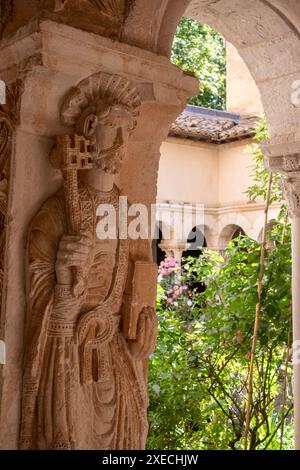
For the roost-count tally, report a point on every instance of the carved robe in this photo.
(83, 388)
(5, 151)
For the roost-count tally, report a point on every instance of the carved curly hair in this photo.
(96, 95)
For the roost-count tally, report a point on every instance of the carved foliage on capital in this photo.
(291, 188)
(289, 167)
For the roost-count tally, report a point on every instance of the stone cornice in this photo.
(217, 210)
(85, 50)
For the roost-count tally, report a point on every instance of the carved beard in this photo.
(110, 159)
(110, 163)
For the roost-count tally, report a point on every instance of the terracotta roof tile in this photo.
(215, 127)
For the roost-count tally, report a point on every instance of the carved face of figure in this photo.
(109, 131)
(103, 108)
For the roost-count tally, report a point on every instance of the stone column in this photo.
(289, 166)
(40, 66)
(174, 248)
(292, 192)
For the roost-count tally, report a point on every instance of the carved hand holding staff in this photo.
(75, 155)
(91, 303)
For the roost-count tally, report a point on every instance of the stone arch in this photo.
(208, 232)
(165, 228)
(234, 220)
(197, 236)
(157, 252)
(265, 33)
(271, 224)
(256, 229)
(161, 237)
(228, 233)
(195, 242)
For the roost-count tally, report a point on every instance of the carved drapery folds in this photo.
(85, 372)
(289, 166)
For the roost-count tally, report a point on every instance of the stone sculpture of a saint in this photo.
(89, 324)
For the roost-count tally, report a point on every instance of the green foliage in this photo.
(198, 374)
(199, 49)
(260, 175)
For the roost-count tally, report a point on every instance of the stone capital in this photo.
(289, 167)
(174, 247)
(291, 188)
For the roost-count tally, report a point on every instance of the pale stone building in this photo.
(205, 161)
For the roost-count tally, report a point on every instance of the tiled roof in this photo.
(215, 127)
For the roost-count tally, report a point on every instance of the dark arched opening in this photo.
(196, 242)
(158, 254)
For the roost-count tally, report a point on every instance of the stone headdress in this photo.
(97, 95)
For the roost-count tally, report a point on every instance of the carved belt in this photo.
(61, 328)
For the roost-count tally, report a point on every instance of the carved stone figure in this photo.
(88, 332)
(9, 115)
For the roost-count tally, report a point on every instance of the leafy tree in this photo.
(198, 48)
(198, 374)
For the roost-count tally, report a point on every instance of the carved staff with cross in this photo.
(75, 155)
